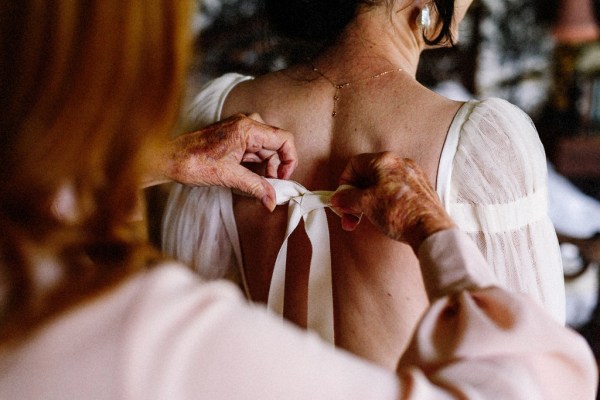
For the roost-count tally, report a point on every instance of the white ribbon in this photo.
(309, 206)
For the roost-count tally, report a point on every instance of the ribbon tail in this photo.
(277, 287)
(320, 285)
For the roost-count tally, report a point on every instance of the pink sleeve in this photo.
(480, 341)
(477, 341)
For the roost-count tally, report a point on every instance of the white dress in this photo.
(492, 180)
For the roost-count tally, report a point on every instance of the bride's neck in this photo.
(372, 43)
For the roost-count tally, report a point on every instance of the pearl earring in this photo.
(424, 18)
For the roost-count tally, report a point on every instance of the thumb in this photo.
(246, 181)
(348, 203)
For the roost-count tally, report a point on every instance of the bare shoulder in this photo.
(239, 99)
(267, 93)
(445, 105)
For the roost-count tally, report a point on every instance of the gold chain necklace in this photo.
(340, 86)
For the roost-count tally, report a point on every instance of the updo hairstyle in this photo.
(320, 22)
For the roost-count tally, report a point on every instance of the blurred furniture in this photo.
(570, 127)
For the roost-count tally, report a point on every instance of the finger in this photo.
(350, 222)
(251, 158)
(286, 168)
(360, 171)
(286, 153)
(349, 201)
(270, 138)
(259, 156)
(256, 117)
(242, 179)
(269, 158)
(272, 166)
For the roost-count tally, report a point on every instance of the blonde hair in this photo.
(86, 87)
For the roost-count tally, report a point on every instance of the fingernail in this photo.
(268, 202)
(340, 209)
(355, 218)
(350, 222)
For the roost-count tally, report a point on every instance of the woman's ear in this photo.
(419, 15)
(413, 18)
(424, 19)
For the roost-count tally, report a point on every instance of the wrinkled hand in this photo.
(212, 156)
(394, 194)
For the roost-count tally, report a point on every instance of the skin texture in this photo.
(212, 156)
(397, 198)
(374, 276)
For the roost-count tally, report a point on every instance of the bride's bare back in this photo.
(374, 278)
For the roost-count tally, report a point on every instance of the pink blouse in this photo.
(167, 335)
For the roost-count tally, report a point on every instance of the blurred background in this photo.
(542, 55)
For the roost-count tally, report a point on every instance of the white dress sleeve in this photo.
(198, 226)
(493, 182)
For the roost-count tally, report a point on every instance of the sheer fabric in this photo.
(491, 179)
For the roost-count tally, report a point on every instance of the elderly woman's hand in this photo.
(212, 156)
(394, 194)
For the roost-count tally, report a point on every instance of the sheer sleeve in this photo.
(493, 182)
(197, 232)
(198, 226)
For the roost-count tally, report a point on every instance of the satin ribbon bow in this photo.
(310, 206)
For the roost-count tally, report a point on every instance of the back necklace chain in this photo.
(343, 85)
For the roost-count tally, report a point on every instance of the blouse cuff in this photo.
(451, 262)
